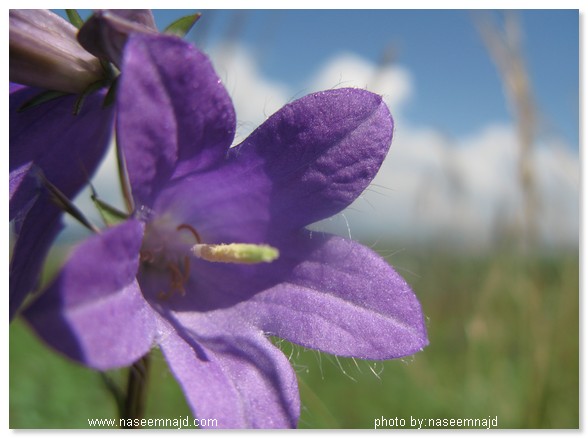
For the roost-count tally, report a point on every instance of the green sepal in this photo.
(182, 26)
(111, 94)
(110, 215)
(64, 203)
(43, 97)
(82, 97)
(74, 18)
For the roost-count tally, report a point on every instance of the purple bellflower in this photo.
(162, 277)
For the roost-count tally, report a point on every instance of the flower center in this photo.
(168, 248)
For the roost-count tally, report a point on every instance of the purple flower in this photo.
(141, 284)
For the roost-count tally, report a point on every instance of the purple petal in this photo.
(172, 115)
(225, 205)
(318, 153)
(36, 231)
(306, 162)
(342, 298)
(66, 149)
(14, 87)
(23, 188)
(141, 17)
(242, 380)
(94, 311)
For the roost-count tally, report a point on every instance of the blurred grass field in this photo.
(504, 343)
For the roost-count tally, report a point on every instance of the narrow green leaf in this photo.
(40, 98)
(74, 18)
(182, 26)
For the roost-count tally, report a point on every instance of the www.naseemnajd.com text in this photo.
(176, 423)
(430, 423)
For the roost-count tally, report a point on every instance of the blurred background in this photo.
(477, 206)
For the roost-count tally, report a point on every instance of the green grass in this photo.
(503, 343)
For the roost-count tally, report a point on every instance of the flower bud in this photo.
(44, 53)
(105, 33)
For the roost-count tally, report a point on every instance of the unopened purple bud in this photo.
(105, 33)
(44, 53)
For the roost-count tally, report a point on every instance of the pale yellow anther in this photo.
(246, 253)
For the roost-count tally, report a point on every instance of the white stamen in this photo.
(247, 253)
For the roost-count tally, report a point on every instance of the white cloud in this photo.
(255, 97)
(393, 82)
(465, 191)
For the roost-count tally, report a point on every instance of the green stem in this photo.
(135, 402)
